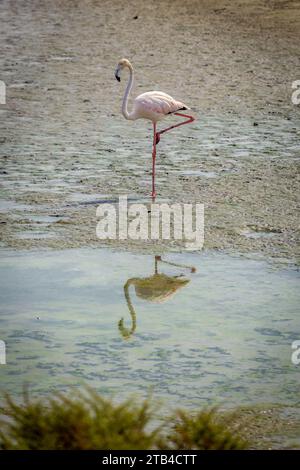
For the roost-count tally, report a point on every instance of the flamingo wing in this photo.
(158, 103)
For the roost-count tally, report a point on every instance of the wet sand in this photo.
(64, 142)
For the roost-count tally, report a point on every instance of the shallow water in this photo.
(223, 337)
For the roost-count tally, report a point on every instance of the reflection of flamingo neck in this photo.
(126, 332)
(144, 291)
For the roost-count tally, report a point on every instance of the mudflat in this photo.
(65, 145)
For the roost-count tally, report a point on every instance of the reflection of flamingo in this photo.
(156, 288)
(153, 105)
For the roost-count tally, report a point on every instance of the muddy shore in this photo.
(65, 145)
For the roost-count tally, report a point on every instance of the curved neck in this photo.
(125, 112)
(126, 332)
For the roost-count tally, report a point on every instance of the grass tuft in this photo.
(204, 431)
(90, 422)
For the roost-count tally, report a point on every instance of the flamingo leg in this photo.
(153, 160)
(156, 139)
(189, 119)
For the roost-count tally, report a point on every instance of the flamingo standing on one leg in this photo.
(153, 105)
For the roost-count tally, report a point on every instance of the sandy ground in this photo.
(65, 145)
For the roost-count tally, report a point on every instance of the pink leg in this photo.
(190, 119)
(156, 139)
(153, 160)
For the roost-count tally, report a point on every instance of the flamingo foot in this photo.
(157, 138)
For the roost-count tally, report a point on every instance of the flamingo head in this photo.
(121, 65)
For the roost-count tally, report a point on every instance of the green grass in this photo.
(90, 422)
(204, 431)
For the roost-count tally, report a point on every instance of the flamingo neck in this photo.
(125, 112)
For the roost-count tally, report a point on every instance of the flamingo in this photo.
(152, 105)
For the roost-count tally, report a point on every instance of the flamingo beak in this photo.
(117, 74)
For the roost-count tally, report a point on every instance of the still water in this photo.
(211, 329)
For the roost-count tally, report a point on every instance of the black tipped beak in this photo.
(117, 77)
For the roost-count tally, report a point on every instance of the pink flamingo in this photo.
(154, 106)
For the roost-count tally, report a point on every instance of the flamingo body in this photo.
(155, 106)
